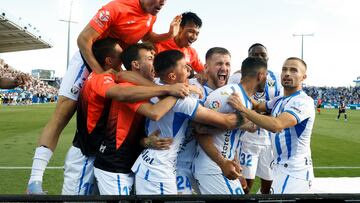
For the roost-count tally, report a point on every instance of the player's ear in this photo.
(108, 61)
(304, 76)
(172, 76)
(135, 65)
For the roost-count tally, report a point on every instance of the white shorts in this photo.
(218, 184)
(256, 160)
(285, 184)
(74, 78)
(78, 174)
(147, 187)
(114, 183)
(185, 181)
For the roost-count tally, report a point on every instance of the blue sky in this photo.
(233, 24)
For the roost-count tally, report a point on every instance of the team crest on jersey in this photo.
(271, 83)
(104, 16)
(214, 105)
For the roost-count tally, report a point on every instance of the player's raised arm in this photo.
(85, 42)
(173, 31)
(125, 93)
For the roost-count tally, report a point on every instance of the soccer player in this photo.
(291, 122)
(125, 126)
(155, 171)
(188, 33)
(126, 20)
(93, 110)
(318, 105)
(342, 108)
(256, 153)
(215, 150)
(217, 71)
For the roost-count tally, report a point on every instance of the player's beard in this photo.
(261, 87)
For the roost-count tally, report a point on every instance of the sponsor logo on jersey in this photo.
(214, 105)
(74, 90)
(131, 22)
(102, 148)
(226, 144)
(224, 93)
(146, 158)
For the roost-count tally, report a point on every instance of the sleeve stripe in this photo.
(294, 114)
(193, 113)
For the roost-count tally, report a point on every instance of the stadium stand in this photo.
(330, 96)
(18, 36)
(37, 91)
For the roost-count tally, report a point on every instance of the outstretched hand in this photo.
(175, 26)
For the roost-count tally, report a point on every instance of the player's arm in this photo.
(156, 111)
(133, 77)
(273, 124)
(230, 168)
(7, 83)
(224, 121)
(173, 31)
(140, 93)
(85, 41)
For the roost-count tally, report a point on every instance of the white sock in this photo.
(41, 159)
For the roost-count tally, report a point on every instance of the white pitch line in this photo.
(337, 167)
(27, 167)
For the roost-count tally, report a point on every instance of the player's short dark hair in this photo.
(103, 48)
(256, 45)
(216, 50)
(166, 60)
(190, 17)
(298, 59)
(131, 53)
(251, 66)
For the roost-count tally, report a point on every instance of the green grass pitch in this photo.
(334, 144)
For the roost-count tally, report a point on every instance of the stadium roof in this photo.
(15, 37)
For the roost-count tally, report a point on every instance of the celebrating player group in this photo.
(152, 119)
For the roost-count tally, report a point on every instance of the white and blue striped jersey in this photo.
(291, 146)
(159, 165)
(273, 88)
(188, 147)
(227, 142)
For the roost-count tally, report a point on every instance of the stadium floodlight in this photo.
(302, 41)
(69, 21)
